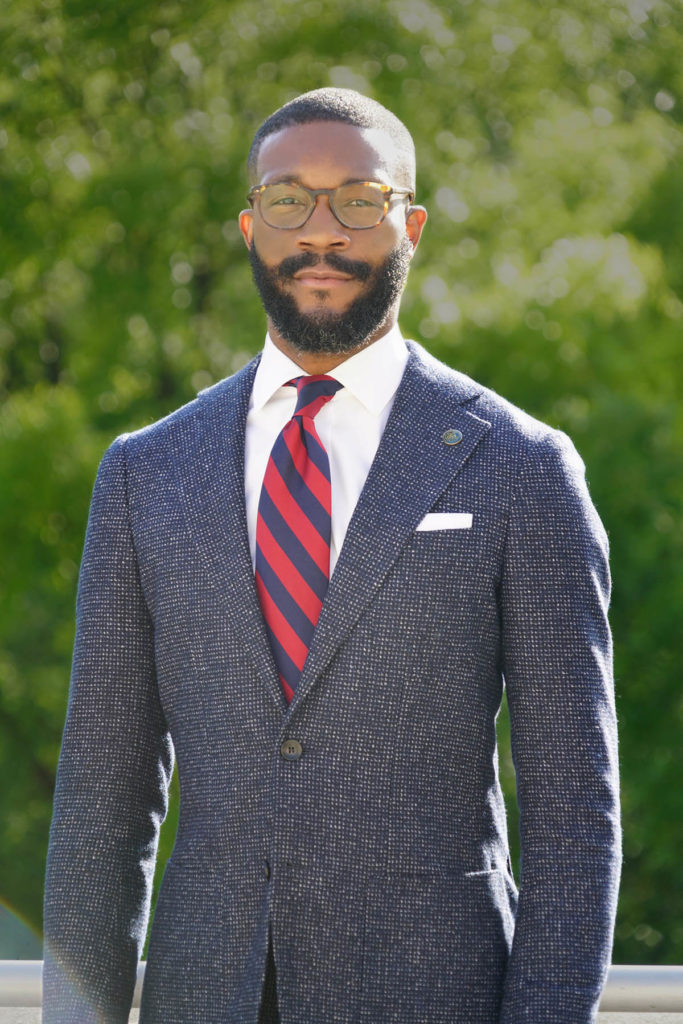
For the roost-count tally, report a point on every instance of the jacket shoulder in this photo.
(223, 395)
(510, 425)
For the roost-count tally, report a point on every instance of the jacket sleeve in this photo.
(557, 662)
(114, 769)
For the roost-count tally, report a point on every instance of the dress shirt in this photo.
(350, 426)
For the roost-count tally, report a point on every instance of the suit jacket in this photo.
(378, 858)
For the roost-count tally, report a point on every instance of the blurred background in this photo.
(549, 149)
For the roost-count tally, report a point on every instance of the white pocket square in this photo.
(446, 521)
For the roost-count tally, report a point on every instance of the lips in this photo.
(321, 275)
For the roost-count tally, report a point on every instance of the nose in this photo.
(322, 230)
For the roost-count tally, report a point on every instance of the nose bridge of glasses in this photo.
(313, 216)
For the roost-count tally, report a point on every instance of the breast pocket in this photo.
(442, 555)
(455, 546)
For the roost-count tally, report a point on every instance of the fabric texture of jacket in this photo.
(378, 858)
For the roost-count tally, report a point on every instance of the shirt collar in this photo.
(371, 375)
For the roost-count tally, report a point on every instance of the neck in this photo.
(323, 362)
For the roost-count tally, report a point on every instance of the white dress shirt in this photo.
(350, 425)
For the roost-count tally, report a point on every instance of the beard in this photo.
(326, 331)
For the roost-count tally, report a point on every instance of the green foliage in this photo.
(551, 269)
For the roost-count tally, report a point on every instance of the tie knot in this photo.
(313, 393)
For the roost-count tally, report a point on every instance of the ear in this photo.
(415, 221)
(246, 223)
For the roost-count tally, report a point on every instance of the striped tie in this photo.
(293, 531)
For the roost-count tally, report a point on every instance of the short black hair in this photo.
(344, 105)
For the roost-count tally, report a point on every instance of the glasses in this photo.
(360, 204)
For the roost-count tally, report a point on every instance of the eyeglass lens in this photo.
(355, 205)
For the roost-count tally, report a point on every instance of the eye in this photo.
(286, 201)
(361, 198)
(282, 196)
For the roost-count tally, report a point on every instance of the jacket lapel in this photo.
(208, 453)
(412, 467)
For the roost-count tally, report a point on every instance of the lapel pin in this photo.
(451, 437)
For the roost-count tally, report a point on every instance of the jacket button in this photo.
(266, 869)
(291, 750)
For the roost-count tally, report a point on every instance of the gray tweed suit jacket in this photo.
(377, 859)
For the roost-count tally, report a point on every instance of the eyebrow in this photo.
(294, 180)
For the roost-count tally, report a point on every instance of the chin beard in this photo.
(331, 332)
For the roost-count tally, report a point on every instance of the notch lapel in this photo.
(209, 463)
(412, 467)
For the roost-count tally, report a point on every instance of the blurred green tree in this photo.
(549, 145)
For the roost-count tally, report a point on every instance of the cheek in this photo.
(373, 250)
(378, 242)
(272, 245)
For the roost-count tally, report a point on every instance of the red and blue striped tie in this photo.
(293, 531)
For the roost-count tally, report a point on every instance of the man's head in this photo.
(331, 287)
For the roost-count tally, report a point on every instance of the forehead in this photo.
(324, 154)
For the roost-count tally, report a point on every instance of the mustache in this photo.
(291, 265)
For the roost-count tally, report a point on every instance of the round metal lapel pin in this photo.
(451, 436)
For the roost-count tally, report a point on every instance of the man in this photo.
(342, 851)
